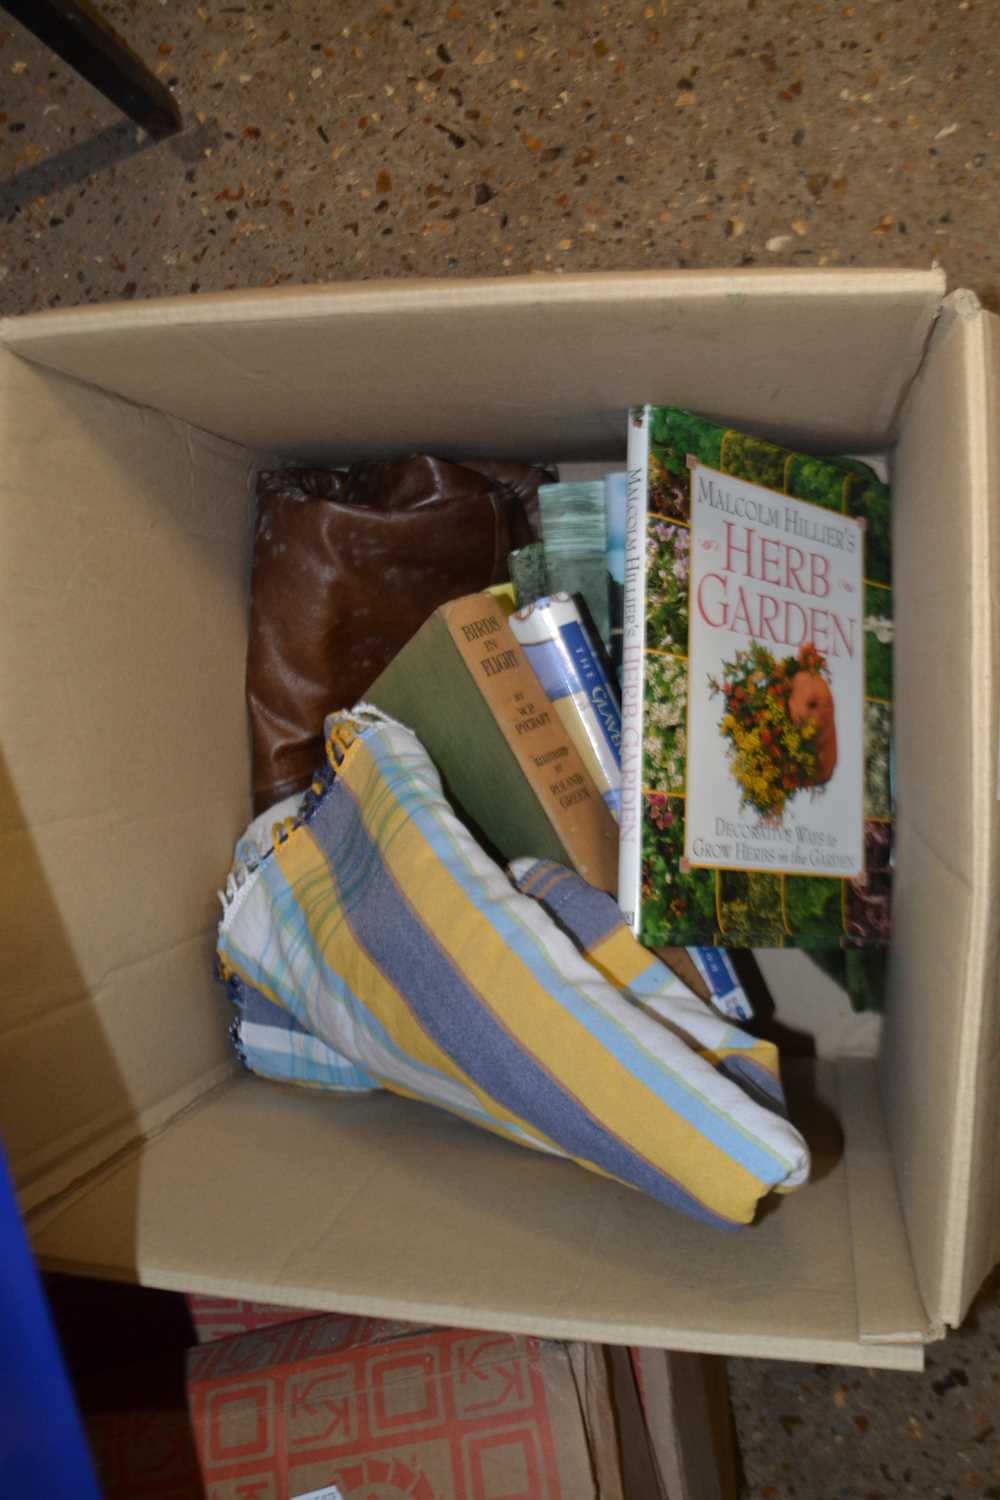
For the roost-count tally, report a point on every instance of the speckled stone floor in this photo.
(821, 1432)
(403, 138)
(347, 140)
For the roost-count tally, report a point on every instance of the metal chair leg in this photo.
(82, 38)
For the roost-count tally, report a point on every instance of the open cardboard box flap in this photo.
(124, 556)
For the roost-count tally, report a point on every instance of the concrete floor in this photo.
(348, 140)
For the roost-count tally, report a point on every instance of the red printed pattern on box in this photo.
(290, 1343)
(222, 1317)
(447, 1411)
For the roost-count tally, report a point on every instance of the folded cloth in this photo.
(272, 1044)
(595, 923)
(379, 923)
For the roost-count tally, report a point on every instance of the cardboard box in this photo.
(346, 1408)
(215, 1318)
(130, 437)
(446, 1413)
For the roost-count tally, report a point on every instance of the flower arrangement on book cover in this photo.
(757, 691)
(780, 725)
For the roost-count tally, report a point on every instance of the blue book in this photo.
(728, 995)
(559, 649)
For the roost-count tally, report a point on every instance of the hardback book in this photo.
(728, 995)
(558, 646)
(556, 642)
(615, 496)
(575, 538)
(528, 574)
(756, 801)
(508, 764)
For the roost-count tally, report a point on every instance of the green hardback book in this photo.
(509, 768)
(757, 692)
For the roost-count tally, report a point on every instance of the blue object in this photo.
(594, 683)
(567, 666)
(43, 1451)
(716, 968)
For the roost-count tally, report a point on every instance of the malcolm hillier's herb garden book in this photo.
(757, 692)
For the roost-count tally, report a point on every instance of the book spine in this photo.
(601, 696)
(615, 491)
(728, 995)
(548, 759)
(633, 649)
(559, 648)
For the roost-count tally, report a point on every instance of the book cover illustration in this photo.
(756, 804)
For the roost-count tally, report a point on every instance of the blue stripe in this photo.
(596, 686)
(654, 983)
(589, 916)
(710, 1120)
(336, 990)
(756, 1082)
(337, 1075)
(291, 1065)
(454, 1014)
(261, 1011)
(276, 976)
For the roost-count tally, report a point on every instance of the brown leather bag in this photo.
(348, 564)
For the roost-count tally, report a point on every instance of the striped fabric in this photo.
(266, 1037)
(595, 923)
(270, 1042)
(377, 922)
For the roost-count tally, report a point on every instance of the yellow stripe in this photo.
(307, 871)
(620, 958)
(563, 1047)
